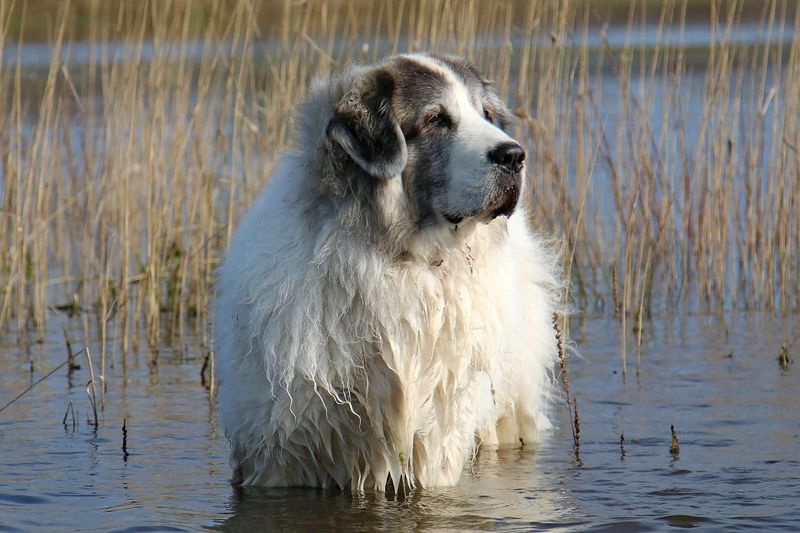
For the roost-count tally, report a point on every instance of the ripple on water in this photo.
(677, 472)
(22, 499)
(622, 526)
(685, 520)
(678, 492)
(142, 529)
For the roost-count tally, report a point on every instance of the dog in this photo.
(384, 309)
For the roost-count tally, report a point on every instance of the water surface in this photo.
(717, 380)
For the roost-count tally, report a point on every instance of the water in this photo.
(40, 55)
(736, 417)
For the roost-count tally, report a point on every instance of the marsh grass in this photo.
(674, 445)
(125, 453)
(673, 182)
(70, 411)
(571, 402)
(784, 357)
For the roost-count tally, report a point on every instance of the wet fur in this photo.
(360, 338)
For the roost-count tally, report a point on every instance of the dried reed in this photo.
(91, 389)
(674, 446)
(672, 177)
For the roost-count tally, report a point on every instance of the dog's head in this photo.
(434, 125)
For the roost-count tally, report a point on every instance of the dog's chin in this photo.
(505, 203)
(454, 219)
(503, 206)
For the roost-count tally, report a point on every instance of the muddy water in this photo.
(717, 380)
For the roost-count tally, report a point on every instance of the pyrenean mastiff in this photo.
(384, 310)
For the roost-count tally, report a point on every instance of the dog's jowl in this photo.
(384, 309)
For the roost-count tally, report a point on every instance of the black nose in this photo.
(508, 155)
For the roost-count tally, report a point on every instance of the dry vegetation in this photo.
(673, 182)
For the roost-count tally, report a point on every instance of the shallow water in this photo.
(736, 418)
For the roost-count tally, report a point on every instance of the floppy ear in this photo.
(364, 126)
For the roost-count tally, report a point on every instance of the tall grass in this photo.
(671, 174)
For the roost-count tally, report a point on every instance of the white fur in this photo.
(474, 139)
(468, 162)
(340, 365)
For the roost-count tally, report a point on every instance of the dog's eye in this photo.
(487, 113)
(438, 119)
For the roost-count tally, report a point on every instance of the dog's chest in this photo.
(447, 318)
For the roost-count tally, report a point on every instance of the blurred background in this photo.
(664, 142)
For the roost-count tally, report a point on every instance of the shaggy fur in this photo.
(377, 317)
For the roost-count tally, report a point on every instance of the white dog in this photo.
(381, 312)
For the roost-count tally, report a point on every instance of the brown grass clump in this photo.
(671, 175)
(784, 358)
(674, 447)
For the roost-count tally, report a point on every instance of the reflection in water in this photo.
(735, 416)
(505, 488)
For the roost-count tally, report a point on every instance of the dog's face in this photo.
(435, 124)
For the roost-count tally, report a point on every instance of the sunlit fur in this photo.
(353, 357)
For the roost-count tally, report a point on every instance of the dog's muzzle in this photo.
(509, 157)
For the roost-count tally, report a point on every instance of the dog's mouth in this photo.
(505, 203)
(453, 219)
